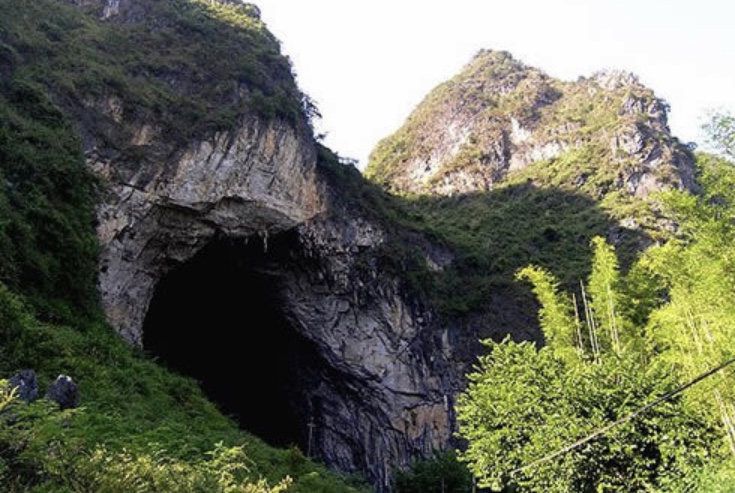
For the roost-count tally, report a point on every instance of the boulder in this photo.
(64, 392)
(27, 385)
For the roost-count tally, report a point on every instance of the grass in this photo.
(130, 405)
(191, 67)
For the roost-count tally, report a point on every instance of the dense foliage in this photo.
(617, 345)
(441, 474)
(47, 244)
(596, 367)
(182, 67)
(495, 233)
(37, 457)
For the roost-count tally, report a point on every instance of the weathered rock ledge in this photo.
(256, 180)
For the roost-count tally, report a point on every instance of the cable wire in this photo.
(625, 419)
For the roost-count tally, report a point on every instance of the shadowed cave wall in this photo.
(288, 338)
(217, 319)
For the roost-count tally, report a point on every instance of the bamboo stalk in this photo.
(577, 325)
(591, 327)
(614, 335)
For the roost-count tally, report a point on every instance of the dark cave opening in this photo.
(218, 319)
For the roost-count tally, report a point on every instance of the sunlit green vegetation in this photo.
(620, 343)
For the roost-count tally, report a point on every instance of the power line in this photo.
(627, 418)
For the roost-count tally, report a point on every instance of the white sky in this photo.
(367, 64)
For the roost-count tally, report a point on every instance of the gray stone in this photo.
(26, 384)
(64, 392)
(466, 138)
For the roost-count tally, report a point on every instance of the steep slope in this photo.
(201, 167)
(500, 122)
(508, 166)
(106, 108)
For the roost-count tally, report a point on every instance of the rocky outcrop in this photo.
(26, 384)
(378, 396)
(63, 390)
(255, 180)
(380, 339)
(498, 116)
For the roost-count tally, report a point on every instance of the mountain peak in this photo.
(499, 121)
(615, 79)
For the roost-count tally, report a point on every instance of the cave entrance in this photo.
(218, 318)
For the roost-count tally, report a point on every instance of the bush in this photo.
(443, 474)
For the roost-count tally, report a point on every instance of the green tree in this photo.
(442, 474)
(523, 404)
(561, 328)
(720, 130)
(695, 328)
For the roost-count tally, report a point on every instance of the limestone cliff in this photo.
(498, 116)
(230, 163)
(254, 180)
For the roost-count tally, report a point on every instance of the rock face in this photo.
(26, 384)
(64, 392)
(384, 399)
(257, 179)
(384, 402)
(373, 331)
(380, 398)
(499, 116)
(371, 393)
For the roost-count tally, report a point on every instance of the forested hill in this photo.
(528, 261)
(511, 167)
(500, 121)
(500, 124)
(517, 170)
